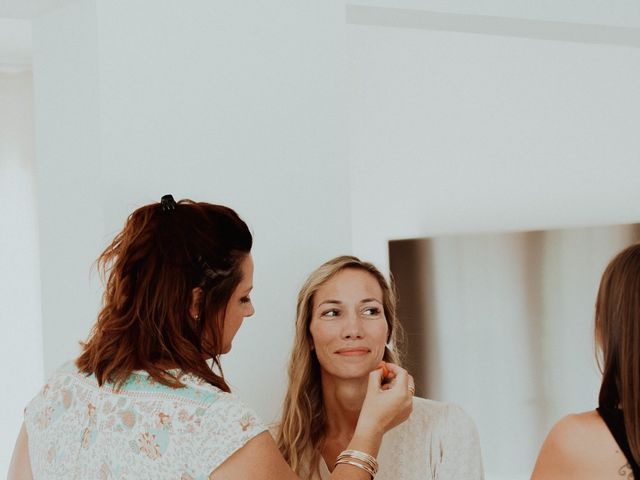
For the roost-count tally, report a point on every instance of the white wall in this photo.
(623, 13)
(70, 199)
(235, 103)
(21, 341)
(15, 45)
(456, 132)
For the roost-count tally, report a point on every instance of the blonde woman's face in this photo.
(348, 325)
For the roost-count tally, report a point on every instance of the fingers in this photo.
(375, 379)
(399, 377)
(385, 371)
(390, 403)
(393, 368)
(412, 386)
(388, 376)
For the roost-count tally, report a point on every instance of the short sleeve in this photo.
(460, 455)
(32, 412)
(226, 427)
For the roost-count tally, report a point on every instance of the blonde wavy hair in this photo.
(301, 431)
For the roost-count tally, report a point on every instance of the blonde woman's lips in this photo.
(352, 351)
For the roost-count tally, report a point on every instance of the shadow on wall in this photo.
(503, 325)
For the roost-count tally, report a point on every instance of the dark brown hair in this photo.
(151, 269)
(617, 329)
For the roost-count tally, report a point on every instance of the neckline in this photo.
(324, 469)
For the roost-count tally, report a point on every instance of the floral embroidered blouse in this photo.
(145, 430)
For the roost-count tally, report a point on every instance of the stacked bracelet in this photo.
(359, 459)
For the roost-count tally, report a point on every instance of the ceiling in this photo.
(28, 9)
(623, 16)
(612, 13)
(621, 13)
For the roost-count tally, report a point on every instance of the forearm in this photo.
(363, 441)
(20, 467)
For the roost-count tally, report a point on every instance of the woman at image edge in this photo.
(605, 443)
(346, 320)
(141, 401)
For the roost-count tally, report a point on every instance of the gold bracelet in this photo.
(373, 466)
(365, 457)
(364, 467)
(361, 457)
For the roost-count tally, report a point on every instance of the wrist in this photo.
(367, 438)
(367, 428)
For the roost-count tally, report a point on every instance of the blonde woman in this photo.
(346, 324)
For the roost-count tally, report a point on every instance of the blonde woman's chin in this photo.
(352, 372)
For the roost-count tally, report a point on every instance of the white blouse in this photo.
(78, 430)
(439, 441)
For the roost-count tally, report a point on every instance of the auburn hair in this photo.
(300, 433)
(617, 332)
(150, 271)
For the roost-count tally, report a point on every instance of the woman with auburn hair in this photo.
(141, 401)
(605, 443)
(346, 325)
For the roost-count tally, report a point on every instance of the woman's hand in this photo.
(386, 406)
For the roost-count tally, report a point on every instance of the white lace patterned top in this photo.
(146, 430)
(438, 442)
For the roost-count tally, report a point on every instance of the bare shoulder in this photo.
(579, 446)
(577, 430)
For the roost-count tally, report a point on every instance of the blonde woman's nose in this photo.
(352, 327)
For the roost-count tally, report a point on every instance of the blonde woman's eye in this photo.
(372, 311)
(330, 313)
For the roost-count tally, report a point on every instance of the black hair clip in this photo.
(168, 203)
